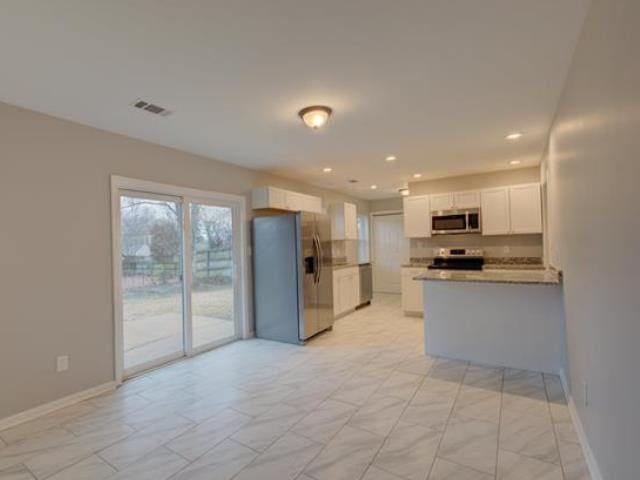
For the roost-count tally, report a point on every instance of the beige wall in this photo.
(55, 245)
(386, 204)
(472, 182)
(593, 175)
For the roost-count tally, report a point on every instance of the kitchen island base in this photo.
(517, 325)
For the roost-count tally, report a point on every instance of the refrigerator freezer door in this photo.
(277, 271)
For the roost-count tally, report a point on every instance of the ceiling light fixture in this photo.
(514, 136)
(315, 116)
(515, 162)
(391, 158)
(373, 187)
(417, 175)
(404, 192)
(327, 169)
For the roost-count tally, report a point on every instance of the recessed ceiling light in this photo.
(391, 158)
(327, 169)
(514, 136)
(315, 116)
(515, 162)
(417, 175)
(373, 187)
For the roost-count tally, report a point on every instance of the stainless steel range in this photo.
(458, 259)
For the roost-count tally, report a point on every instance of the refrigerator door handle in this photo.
(316, 260)
(321, 258)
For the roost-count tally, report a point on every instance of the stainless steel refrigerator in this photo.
(292, 282)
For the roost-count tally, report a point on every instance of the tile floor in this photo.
(360, 402)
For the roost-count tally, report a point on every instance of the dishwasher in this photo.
(366, 284)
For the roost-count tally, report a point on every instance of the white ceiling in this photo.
(439, 83)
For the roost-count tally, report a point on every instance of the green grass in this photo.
(209, 301)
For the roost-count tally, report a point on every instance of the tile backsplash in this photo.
(493, 245)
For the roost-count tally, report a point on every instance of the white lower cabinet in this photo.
(412, 296)
(346, 290)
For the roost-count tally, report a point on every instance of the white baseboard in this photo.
(63, 402)
(582, 436)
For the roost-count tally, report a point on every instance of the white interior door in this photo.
(388, 252)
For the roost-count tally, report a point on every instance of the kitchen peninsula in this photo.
(512, 318)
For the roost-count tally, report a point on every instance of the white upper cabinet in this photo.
(466, 199)
(441, 201)
(271, 197)
(526, 208)
(351, 221)
(417, 216)
(448, 201)
(512, 210)
(495, 211)
(344, 221)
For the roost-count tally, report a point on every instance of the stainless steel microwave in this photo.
(447, 222)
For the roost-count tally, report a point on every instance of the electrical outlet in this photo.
(62, 363)
(506, 249)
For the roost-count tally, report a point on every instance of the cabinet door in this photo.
(442, 201)
(417, 217)
(350, 221)
(343, 291)
(347, 293)
(412, 296)
(342, 294)
(495, 211)
(336, 293)
(466, 200)
(278, 199)
(295, 201)
(526, 208)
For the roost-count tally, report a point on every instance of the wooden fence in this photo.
(210, 266)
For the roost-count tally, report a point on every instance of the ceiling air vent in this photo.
(151, 108)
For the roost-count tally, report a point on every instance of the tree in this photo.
(165, 241)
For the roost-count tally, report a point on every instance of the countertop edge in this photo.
(538, 277)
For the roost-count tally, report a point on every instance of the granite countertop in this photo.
(523, 276)
(491, 263)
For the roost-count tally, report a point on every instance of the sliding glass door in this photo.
(152, 279)
(212, 275)
(178, 286)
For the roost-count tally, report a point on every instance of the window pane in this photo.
(212, 274)
(363, 239)
(151, 280)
